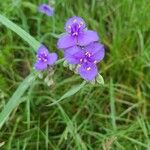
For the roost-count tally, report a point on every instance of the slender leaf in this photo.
(112, 105)
(69, 93)
(15, 99)
(24, 35)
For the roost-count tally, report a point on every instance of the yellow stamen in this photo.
(89, 68)
(95, 62)
(75, 33)
(88, 54)
(81, 23)
(75, 20)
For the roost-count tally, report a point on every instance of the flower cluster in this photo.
(80, 45)
(81, 48)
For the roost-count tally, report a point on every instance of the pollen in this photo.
(81, 23)
(45, 60)
(75, 33)
(95, 62)
(88, 69)
(81, 60)
(69, 27)
(75, 20)
(88, 54)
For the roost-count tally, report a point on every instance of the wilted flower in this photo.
(77, 34)
(46, 9)
(44, 58)
(86, 59)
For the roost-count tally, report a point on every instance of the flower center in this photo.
(42, 57)
(75, 29)
(46, 8)
(88, 68)
(88, 57)
(87, 54)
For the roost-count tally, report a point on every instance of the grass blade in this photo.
(69, 93)
(15, 99)
(23, 34)
(112, 106)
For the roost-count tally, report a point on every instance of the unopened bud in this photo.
(100, 79)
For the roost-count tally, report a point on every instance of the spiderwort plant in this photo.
(76, 34)
(86, 59)
(46, 9)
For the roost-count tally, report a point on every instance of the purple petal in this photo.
(88, 71)
(42, 49)
(66, 41)
(40, 66)
(52, 57)
(73, 54)
(87, 37)
(74, 20)
(96, 50)
(46, 9)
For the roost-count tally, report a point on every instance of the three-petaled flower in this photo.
(86, 59)
(44, 58)
(46, 9)
(77, 34)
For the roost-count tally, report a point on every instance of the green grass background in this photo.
(115, 116)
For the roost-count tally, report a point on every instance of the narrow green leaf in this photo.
(15, 99)
(24, 35)
(135, 141)
(69, 93)
(73, 90)
(112, 105)
(2, 143)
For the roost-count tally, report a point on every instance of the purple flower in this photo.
(44, 58)
(86, 58)
(77, 34)
(46, 9)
